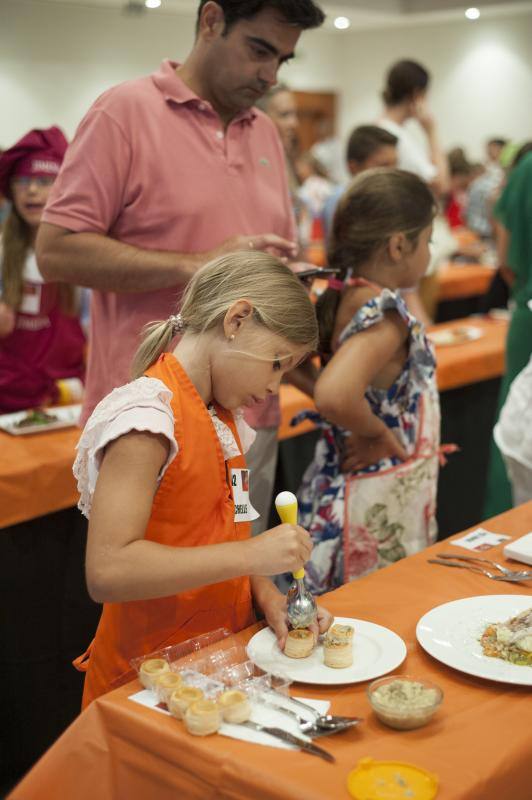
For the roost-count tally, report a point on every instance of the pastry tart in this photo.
(151, 669)
(203, 717)
(235, 706)
(338, 647)
(299, 643)
(167, 683)
(181, 698)
(341, 633)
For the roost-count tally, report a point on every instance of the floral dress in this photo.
(370, 518)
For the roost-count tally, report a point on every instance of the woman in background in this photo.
(41, 340)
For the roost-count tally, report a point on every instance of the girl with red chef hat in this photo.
(41, 340)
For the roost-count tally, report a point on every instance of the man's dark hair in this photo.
(365, 140)
(302, 14)
(403, 80)
(498, 142)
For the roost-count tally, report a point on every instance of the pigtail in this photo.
(156, 338)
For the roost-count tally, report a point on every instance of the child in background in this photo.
(41, 340)
(369, 497)
(162, 474)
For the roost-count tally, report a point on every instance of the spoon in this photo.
(301, 607)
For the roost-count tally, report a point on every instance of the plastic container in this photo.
(403, 702)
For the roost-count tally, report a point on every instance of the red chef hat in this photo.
(39, 153)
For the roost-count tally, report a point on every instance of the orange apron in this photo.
(193, 506)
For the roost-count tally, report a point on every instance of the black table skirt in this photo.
(47, 619)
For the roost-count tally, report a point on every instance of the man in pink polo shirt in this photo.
(167, 172)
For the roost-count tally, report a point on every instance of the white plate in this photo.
(67, 417)
(376, 651)
(451, 633)
(458, 335)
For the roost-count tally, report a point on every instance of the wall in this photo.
(55, 59)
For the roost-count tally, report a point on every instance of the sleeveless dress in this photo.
(373, 517)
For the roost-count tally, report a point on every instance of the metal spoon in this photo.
(301, 608)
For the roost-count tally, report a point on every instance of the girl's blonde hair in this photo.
(16, 243)
(279, 300)
(377, 204)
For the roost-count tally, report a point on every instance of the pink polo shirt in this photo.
(150, 166)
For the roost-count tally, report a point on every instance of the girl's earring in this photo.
(232, 337)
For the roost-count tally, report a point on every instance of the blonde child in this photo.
(162, 474)
(41, 340)
(369, 496)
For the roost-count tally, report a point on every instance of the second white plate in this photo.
(451, 633)
(376, 650)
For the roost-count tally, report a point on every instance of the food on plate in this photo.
(167, 683)
(404, 703)
(151, 669)
(299, 643)
(203, 717)
(182, 698)
(511, 641)
(235, 706)
(36, 417)
(338, 647)
(457, 335)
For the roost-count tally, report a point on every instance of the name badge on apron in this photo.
(244, 511)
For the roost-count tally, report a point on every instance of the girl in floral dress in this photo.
(369, 496)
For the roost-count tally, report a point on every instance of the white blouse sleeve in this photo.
(142, 405)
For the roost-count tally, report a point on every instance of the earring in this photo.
(232, 337)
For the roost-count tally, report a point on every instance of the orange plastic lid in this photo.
(391, 780)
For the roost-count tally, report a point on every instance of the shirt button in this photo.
(219, 135)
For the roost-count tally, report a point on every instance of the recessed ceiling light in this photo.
(152, 3)
(472, 13)
(342, 23)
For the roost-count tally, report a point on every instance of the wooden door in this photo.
(317, 117)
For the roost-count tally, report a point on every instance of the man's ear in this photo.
(212, 21)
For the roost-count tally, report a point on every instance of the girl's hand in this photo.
(275, 615)
(286, 548)
(362, 451)
(7, 320)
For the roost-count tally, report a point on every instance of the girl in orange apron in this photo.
(369, 496)
(41, 339)
(162, 474)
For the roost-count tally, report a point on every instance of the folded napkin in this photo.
(520, 549)
(259, 713)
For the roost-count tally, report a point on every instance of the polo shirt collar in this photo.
(175, 90)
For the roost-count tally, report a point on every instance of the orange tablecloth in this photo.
(456, 281)
(479, 744)
(36, 474)
(458, 365)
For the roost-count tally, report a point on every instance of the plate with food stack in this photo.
(39, 420)
(353, 650)
(488, 636)
(457, 335)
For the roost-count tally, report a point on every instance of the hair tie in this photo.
(176, 320)
(336, 284)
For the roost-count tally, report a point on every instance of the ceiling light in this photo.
(152, 3)
(342, 23)
(472, 13)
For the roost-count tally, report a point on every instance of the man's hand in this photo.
(267, 242)
(362, 451)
